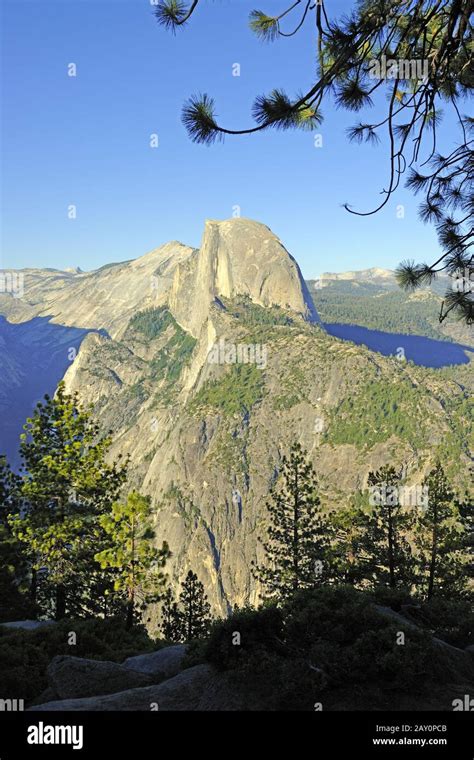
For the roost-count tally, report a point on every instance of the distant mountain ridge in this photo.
(371, 274)
(236, 257)
(372, 298)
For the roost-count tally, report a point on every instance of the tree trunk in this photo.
(34, 585)
(190, 623)
(60, 589)
(131, 588)
(60, 602)
(434, 551)
(391, 559)
(130, 609)
(295, 534)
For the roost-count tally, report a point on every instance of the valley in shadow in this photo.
(34, 357)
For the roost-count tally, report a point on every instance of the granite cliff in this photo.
(207, 363)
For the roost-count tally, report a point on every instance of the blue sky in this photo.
(86, 141)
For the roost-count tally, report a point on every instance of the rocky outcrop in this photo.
(107, 686)
(238, 257)
(165, 663)
(72, 677)
(105, 299)
(198, 688)
(29, 625)
(208, 465)
(206, 441)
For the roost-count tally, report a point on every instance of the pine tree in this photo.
(345, 532)
(420, 55)
(194, 618)
(442, 559)
(382, 552)
(66, 485)
(131, 556)
(466, 512)
(171, 618)
(170, 625)
(297, 543)
(14, 602)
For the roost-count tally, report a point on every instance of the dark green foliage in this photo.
(383, 555)
(170, 618)
(378, 309)
(67, 484)
(422, 547)
(189, 618)
(395, 598)
(14, 600)
(297, 542)
(134, 563)
(324, 645)
(237, 391)
(260, 633)
(466, 513)
(449, 619)
(252, 314)
(170, 360)
(152, 322)
(173, 355)
(15, 603)
(138, 392)
(194, 607)
(24, 655)
(375, 412)
(171, 13)
(442, 557)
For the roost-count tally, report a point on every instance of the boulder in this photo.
(198, 688)
(29, 625)
(72, 677)
(48, 695)
(165, 663)
(396, 617)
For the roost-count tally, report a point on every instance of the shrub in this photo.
(451, 620)
(260, 632)
(237, 391)
(152, 322)
(392, 597)
(24, 655)
(322, 642)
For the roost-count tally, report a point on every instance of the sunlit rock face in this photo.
(206, 438)
(238, 257)
(57, 309)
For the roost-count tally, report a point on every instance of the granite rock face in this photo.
(236, 257)
(73, 677)
(206, 438)
(208, 463)
(165, 663)
(198, 688)
(28, 625)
